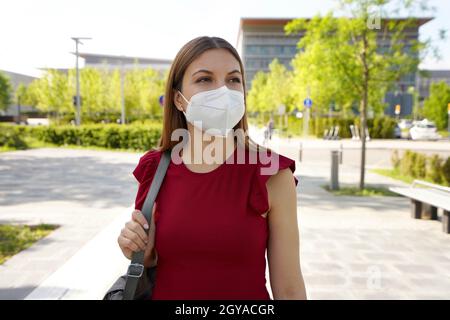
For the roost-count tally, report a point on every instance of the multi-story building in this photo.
(260, 40)
(427, 77)
(114, 62)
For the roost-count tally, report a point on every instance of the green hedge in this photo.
(113, 136)
(420, 166)
(382, 127)
(12, 137)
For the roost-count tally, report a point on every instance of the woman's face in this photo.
(211, 70)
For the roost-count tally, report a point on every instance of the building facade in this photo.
(427, 77)
(113, 62)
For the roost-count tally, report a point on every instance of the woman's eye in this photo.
(237, 80)
(201, 79)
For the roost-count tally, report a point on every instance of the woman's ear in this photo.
(178, 100)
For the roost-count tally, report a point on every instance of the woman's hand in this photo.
(133, 238)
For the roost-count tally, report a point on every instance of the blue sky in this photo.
(36, 33)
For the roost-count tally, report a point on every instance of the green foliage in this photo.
(446, 171)
(419, 169)
(435, 107)
(379, 127)
(270, 90)
(14, 238)
(407, 163)
(413, 165)
(341, 59)
(368, 191)
(100, 90)
(395, 160)
(12, 137)
(435, 169)
(113, 136)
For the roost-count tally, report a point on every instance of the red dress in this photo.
(210, 236)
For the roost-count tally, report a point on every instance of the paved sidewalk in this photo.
(89, 273)
(83, 191)
(363, 247)
(351, 247)
(368, 248)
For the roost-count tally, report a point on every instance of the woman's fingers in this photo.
(126, 243)
(139, 217)
(127, 233)
(137, 228)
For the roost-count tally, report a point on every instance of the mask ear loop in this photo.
(183, 97)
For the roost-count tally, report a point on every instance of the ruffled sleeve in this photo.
(259, 199)
(144, 173)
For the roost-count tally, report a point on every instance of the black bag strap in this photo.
(136, 267)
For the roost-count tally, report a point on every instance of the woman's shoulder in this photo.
(269, 161)
(147, 164)
(268, 164)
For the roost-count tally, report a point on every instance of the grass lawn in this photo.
(395, 174)
(15, 238)
(444, 133)
(368, 191)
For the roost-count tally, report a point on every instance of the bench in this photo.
(332, 133)
(426, 200)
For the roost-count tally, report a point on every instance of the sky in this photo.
(37, 33)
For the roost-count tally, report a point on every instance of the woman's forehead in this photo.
(215, 61)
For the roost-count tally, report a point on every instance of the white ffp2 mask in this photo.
(219, 109)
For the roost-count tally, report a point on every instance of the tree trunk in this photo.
(363, 127)
(363, 113)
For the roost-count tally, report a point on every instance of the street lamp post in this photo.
(78, 102)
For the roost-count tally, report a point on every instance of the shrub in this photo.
(416, 165)
(419, 165)
(407, 163)
(12, 136)
(136, 136)
(395, 160)
(434, 169)
(446, 171)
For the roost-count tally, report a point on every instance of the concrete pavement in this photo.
(350, 247)
(83, 191)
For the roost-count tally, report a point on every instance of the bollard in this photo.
(334, 183)
(300, 151)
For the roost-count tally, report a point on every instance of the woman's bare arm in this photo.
(283, 251)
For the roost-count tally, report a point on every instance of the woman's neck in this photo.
(202, 148)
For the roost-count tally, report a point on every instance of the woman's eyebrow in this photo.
(234, 71)
(209, 72)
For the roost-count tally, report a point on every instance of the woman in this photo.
(214, 217)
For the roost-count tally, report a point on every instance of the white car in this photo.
(424, 130)
(405, 124)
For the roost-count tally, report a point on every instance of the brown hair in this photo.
(174, 118)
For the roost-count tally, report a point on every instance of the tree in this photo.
(351, 57)
(270, 90)
(100, 92)
(51, 93)
(5, 92)
(435, 107)
(256, 100)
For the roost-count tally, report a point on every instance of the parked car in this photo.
(397, 132)
(405, 123)
(424, 130)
